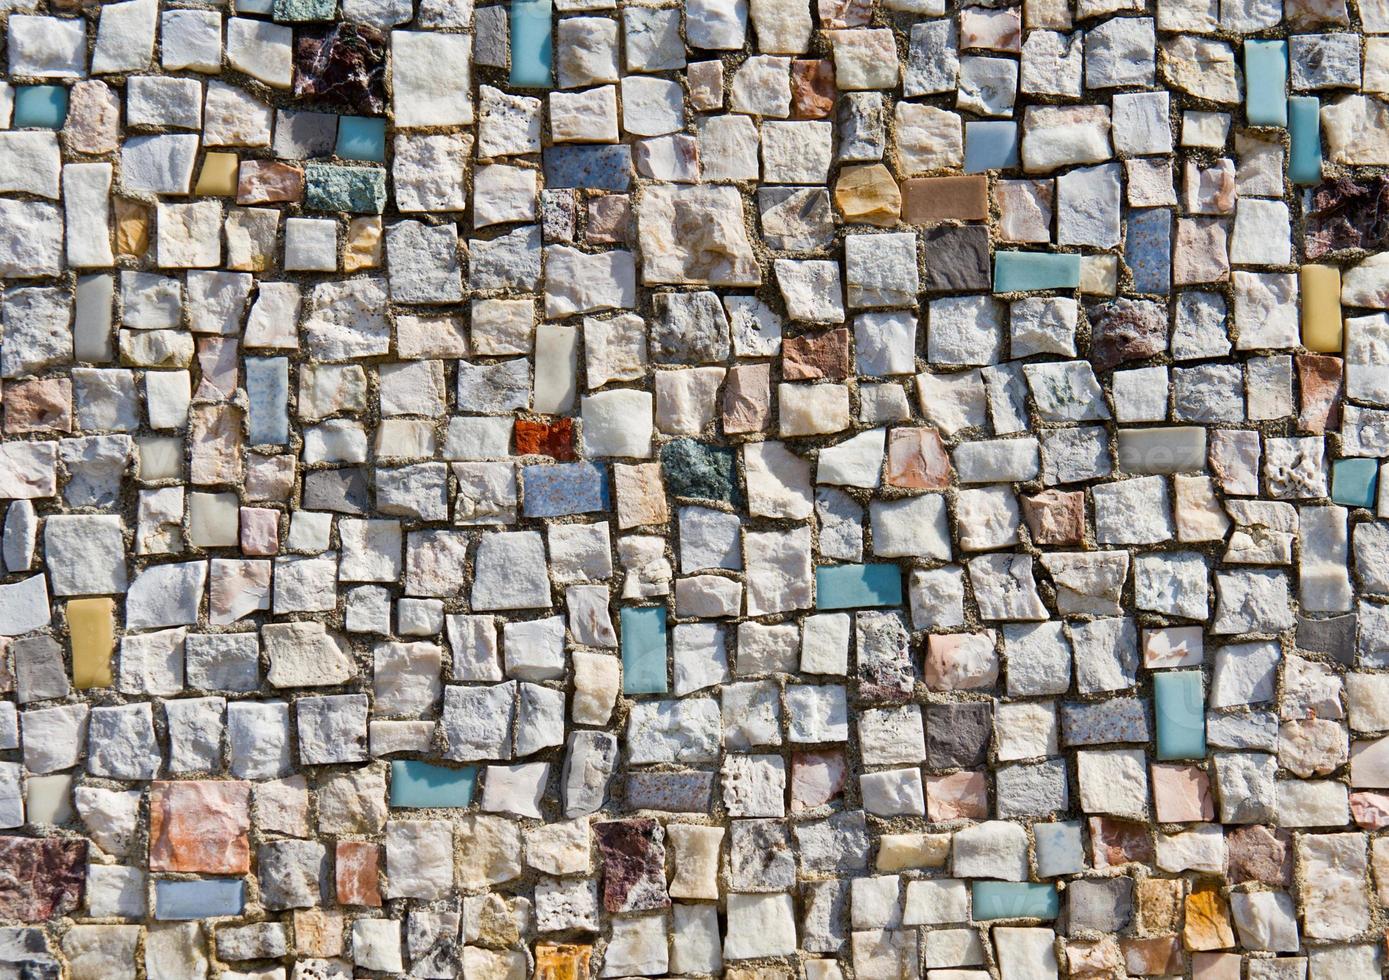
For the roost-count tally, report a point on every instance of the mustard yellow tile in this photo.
(1321, 308)
(218, 177)
(92, 627)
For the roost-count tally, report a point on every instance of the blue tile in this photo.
(564, 488)
(990, 145)
(362, 138)
(422, 784)
(40, 107)
(1266, 82)
(643, 650)
(1014, 900)
(1353, 482)
(601, 168)
(1020, 272)
(855, 586)
(1304, 126)
(1179, 705)
(1148, 250)
(532, 54)
(205, 898)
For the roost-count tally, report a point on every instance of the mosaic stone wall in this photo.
(758, 488)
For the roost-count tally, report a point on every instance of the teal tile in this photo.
(1266, 82)
(1304, 126)
(532, 56)
(362, 138)
(1179, 701)
(643, 650)
(1013, 900)
(990, 145)
(421, 784)
(40, 107)
(1353, 482)
(853, 586)
(1020, 272)
(359, 190)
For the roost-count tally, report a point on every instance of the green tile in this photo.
(1266, 82)
(422, 784)
(1353, 482)
(1304, 126)
(1179, 701)
(362, 138)
(855, 586)
(40, 107)
(1020, 272)
(359, 190)
(1013, 900)
(643, 650)
(532, 54)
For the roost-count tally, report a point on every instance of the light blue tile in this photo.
(362, 138)
(990, 145)
(40, 107)
(1020, 272)
(422, 784)
(204, 898)
(856, 586)
(1179, 704)
(1014, 900)
(1353, 482)
(643, 650)
(1304, 126)
(532, 56)
(1266, 82)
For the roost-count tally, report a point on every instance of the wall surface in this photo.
(772, 489)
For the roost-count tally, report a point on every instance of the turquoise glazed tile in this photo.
(1265, 82)
(362, 138)
(1013, 900)
(1353, 482)
(1304, 128)
(990, 145)
(643, 650)
(1179, 704)
(1021, 272)
(422, 784)
(857, 586)
(40, 107)
(532, 54)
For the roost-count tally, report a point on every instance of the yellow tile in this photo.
(92, 625)
(218, 177)
(1321, 308)
(132, 228)
(363, 249)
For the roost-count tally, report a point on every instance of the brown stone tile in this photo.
(355, 873)
(812, 88)
(554, 439)
(1319, 379)
(1055, 517)
(747, 398)
(269, 182)
(812, 356)
(917, 459)
(200, 825)
(44, 405)
(931, 200)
